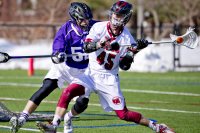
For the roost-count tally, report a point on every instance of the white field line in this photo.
(124, 90)
(161, 92)
(19, 84)
(25, 129)
(130, 107)
(156, 109)
(21, 77)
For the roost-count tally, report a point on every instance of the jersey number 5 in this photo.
(102, 61)
(80, 57)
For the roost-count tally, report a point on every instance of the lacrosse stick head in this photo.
(189, 39)
(4, 57)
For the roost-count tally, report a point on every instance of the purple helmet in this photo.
(122, 8)
(80, 10)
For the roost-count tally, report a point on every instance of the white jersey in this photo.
(101, 76)
(104, 60)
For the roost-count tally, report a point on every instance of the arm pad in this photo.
(126, 61)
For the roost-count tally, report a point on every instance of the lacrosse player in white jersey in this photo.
(110, 46)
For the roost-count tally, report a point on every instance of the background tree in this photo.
(161, 13)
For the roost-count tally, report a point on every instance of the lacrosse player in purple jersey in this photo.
(68, 40)
(110, 46)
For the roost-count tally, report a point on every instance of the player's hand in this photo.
(114, 46)
(126, 61)
(59, 57)
(104, 42)
(107, 44)
(142, 43)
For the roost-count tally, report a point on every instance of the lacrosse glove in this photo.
(104, 42)
(113, 46)
(59, 57)
(89, 47)
(126, 61)
(142, 43)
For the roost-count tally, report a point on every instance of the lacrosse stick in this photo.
(4, 57)
(6, 114)
(189, 39)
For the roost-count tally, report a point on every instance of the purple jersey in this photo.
(69, 39)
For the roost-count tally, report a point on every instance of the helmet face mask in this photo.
(119, 19)
(116, 22)
(84, 23)
(123, 11)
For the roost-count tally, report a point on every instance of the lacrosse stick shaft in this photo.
(37, 56)
(4, 57)
(160, 42)
(31, 56)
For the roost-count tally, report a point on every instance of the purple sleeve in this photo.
(59, 43)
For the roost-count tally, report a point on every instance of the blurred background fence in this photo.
(33, 31)
(29, 20)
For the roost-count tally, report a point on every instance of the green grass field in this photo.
(172, 98)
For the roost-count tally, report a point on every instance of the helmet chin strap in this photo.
(84, 28)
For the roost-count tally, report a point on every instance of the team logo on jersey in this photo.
(116, 100)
